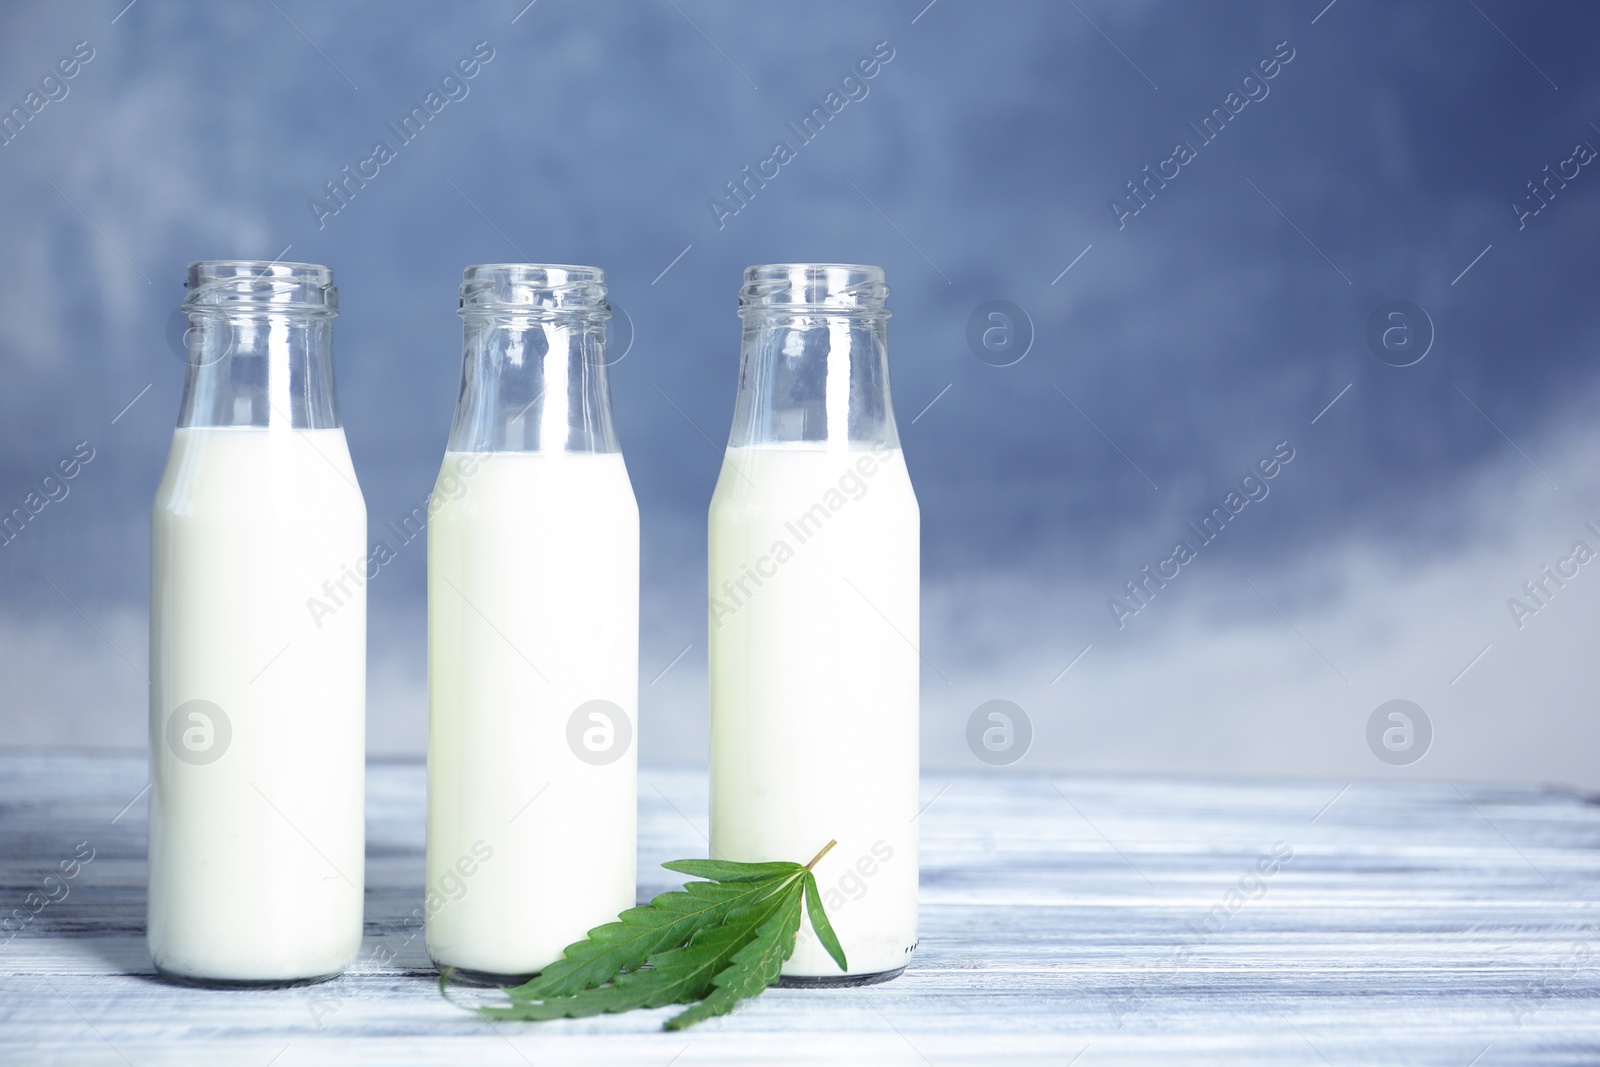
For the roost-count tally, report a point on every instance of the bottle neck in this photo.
(260, 369)
(534, 385)
(814, 379)
(533, 362)
(260, 345)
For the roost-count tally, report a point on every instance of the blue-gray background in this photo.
(1178, 349)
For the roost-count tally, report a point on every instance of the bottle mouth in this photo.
(835, 288)
(260, 284)
(536, 290)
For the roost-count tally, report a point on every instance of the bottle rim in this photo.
(222, 285)
(534, 290)
(830, 288)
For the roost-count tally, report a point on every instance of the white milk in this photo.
(256, 835)
(533, 610)
(814, 676)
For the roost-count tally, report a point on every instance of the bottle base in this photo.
(840, 981)
(241, 983)
(482, 979)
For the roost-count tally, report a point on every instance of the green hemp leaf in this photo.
(711, 944)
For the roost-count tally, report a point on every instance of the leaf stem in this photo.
(825, 850)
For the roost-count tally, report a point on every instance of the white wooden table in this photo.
(1063, 921)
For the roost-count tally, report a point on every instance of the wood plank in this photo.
(1070, 917)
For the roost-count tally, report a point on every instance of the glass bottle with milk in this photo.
(257, 643)
(533, 634)
(813, 615)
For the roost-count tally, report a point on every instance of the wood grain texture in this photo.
(1077, 920)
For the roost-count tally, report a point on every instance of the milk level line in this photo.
(701, 432)
(289, 421)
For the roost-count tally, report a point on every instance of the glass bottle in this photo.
(533, 634)
(813, 613)
(257, 643)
